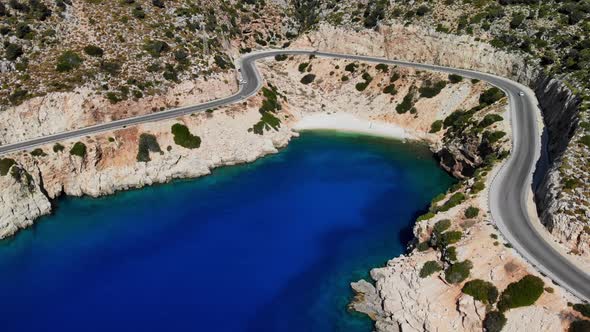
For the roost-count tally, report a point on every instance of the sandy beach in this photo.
(347, 122)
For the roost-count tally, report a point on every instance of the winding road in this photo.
(509, 192)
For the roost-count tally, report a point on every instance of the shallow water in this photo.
(268, 246)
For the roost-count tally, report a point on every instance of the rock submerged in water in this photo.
(366, 300)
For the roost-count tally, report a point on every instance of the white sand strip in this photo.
(349, 123)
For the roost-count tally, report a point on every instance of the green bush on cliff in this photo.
(585, 140)
(390, 89)
(471, 212)
(454, 78)
(423, 246)
(426, 216)
(436, 126)
(583, 308)
(147, 143)
(441, 226)
(38, 153)
(429, 268)
(307, 79)
(5, 165)
(382, 67)
(481, 290)
(406, 104)
(454, 200)
(351, 67)
(458, 272)
(522, 293)
(58, 148)
(494, 321)
(491, 96)
(431, 90)
(79, 149)
(184, 138)
(450, 255)
(67, 61)
(281, 57)
(489, 120)
(361, 86)
(493, 137)
(446, 238)
(579, 326)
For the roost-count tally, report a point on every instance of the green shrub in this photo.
(458, 272)
(79, 149)
(38, 153)
(422, 10)
(67, 61)
(361, 86)
(5, 165)
(454, 200)
(23, 31)
(423, 246)
(58, 148)
(522, 293)
(481, 290)
(517, 19)
(351, 67)
(307, 79)
(446, 238)
(425, 216)
(94, 50)
(579, 326)
(390, 89)
(110, 67)
(13, 51)
(489, 120)
(494, 321)
(281, 57)
(406, 104)
(585, 140)
(493, 137)
(303, 66)
(429, 268)
(450, 254)
(583, 308)
(491, 96)
(156, 47)
(382, 67)
(394, 77)
(184, 138)
(344, 78)
(436, 126)
(471, 212)
(441, 226)
(267, 121)
(147, 143)
(430, 91)
(454, 78)
(271, 101)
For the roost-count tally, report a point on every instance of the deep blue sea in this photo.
(268, 246)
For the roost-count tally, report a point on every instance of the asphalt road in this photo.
(509, 190)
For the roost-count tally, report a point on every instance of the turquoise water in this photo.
(268, 246)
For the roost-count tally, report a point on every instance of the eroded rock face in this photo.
(21, 201)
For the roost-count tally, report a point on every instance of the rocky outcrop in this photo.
(560, 205)
(21, 200)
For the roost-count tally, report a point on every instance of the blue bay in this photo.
(267, 246)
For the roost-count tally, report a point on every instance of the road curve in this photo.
(508, 193)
